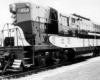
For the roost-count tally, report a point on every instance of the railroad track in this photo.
(39, 69)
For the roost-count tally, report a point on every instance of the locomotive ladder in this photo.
(15, 66)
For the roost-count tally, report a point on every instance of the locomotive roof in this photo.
(81, 17)
(46, 7)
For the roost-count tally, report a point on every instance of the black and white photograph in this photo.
(50, 40)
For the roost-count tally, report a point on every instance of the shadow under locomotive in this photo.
(35, 70)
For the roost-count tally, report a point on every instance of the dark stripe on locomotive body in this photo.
(32, 28)
(44, 35)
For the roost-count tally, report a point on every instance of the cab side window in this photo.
(73, 20)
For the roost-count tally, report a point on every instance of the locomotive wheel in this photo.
(96, 52)
(63, 57)
(40, 60)
(48, 58)
(71, 54)
(55, 57)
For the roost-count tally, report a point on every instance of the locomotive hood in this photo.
(15, 32)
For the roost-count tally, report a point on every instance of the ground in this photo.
(85, 70)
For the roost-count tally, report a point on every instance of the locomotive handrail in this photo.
(49, 19)
(8, 29)
(7, 25)
(3, 30)
(45, 18)
(10, 34)
(21, 37)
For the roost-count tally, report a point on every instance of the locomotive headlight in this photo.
(12, 8)
(27, 5)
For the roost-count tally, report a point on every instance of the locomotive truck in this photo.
(41, 36)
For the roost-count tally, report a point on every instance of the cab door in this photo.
(53, 25)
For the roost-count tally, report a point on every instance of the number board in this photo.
(23, 10)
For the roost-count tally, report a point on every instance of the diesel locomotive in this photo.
(40, 36)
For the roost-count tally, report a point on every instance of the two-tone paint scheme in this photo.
(38, 32)
(46, 22)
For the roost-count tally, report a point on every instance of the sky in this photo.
(87, 8)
